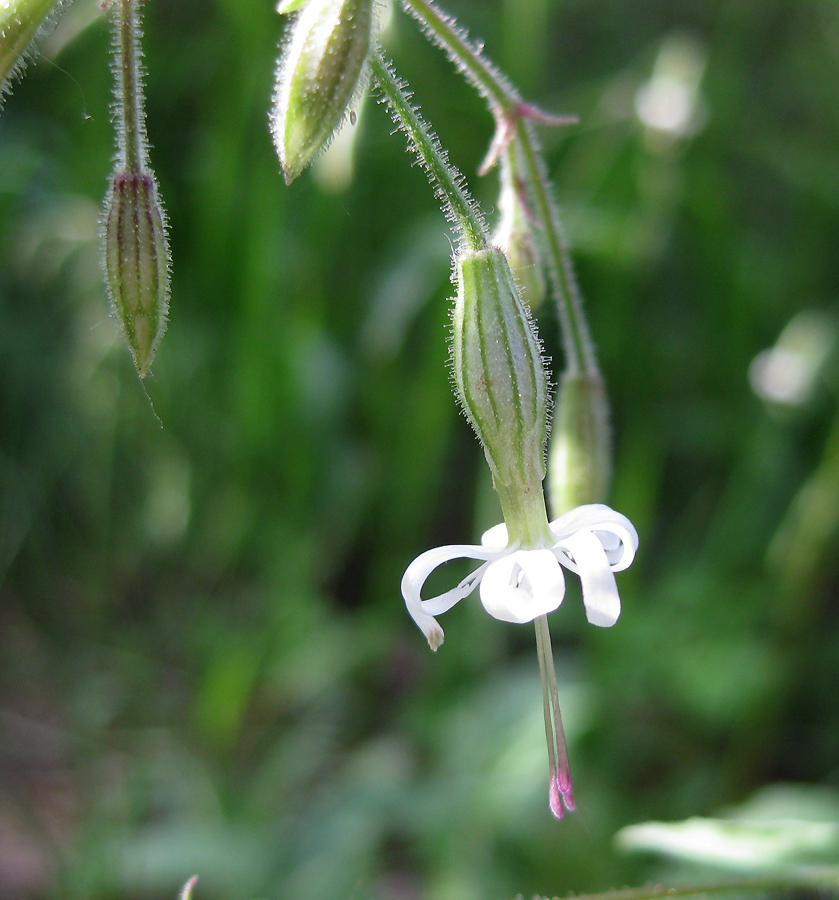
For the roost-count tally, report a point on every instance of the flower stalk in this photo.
(460, 208)
(131, 126)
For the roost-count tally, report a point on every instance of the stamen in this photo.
(559, 792)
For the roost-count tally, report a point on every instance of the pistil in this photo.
(560, 793)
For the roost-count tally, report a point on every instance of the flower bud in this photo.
(322, 70)
(19, 23)
(498, 371)
(579, 454)
(137, 262)
(515, 237)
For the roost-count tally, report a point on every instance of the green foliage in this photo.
(205, 663)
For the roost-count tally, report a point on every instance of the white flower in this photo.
(518, 585)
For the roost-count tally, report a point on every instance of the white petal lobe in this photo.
(423, 611)
(600, 592)
(522, 585)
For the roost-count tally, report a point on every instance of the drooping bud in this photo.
(137, 262)
(321, 73)
(498, 371)
(136, 249)
(20, 21)
(579, 454)
(514, 235)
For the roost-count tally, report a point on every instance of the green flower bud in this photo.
(498, 371)
(321, 72)
(579, 455)
(525, 263)
(20, 21)
(137, 262)
(514, 235)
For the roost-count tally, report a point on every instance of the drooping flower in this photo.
(518, 585)
(524, 585)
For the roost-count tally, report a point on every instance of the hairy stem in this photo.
(129, 87)
(487, 79)
(460, 208)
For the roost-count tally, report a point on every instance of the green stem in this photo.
(813, 879)
(446, 179)
(129, 86)
(486, 78)
(506, 105)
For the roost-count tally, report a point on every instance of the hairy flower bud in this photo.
(515, 237)
(321, 72)
(579, 467)
(137, 262)
(498, 371)
(19, 23)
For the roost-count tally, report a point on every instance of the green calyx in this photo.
(137, 263)
(499, 375)
(321, 72)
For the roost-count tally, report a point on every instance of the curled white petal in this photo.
(423, 611)
(522, 585)
(616, 533)
(590, 560)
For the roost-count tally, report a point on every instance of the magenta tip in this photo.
(560, 796)
(555, 799)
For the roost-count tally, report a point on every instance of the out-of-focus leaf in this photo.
(779, 828)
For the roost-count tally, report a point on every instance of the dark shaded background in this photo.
(205, 663)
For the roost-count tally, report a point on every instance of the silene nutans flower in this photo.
(20, 22)
(322, 71)
(502, 385)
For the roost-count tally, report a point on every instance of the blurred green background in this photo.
(205, 662)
